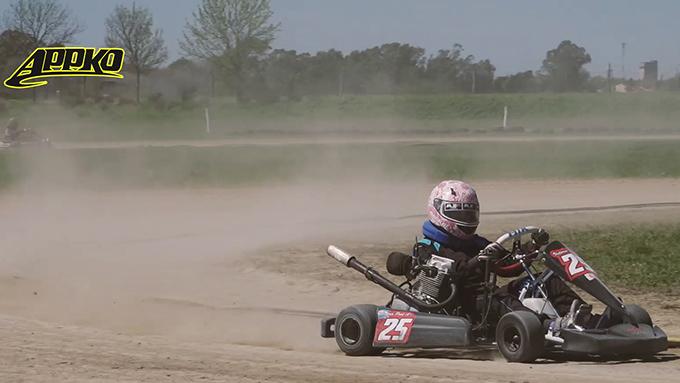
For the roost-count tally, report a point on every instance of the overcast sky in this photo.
(513, 34)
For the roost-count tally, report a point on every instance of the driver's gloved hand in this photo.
(494, 251)
(540, 238)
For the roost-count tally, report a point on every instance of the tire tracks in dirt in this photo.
(254, 309)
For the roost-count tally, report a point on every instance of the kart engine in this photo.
(433, 282)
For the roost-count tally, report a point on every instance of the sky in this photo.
(513, 34)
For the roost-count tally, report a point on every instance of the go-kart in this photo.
(24, 138)
(423, 312)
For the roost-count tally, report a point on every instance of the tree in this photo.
(563, 67)
(14, 46)
(323, 73)
(283, 70)
(387, 68)
(45, 22)
(478, 77)
(446, 70)
(401, 64)
(230, 34)
(132, 30)
(186, 76)
(40, 23)
(522, 82)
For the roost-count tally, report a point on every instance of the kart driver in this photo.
(453, 217)
(12, 130)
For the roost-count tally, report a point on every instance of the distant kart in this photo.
(424, 313)
(25, 138)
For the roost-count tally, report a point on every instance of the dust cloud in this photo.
(90, 246)
(176, 261)
(179, 262)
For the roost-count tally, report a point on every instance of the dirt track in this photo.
(215, 285)
(348, 139)
(41, 352)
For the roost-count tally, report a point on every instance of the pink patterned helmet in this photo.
(454, 207)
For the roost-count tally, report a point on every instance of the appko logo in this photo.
(55, 62)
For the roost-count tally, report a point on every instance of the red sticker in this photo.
(393, 327)
(573, 265)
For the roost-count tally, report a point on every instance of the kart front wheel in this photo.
(520, 337)
(354, 329)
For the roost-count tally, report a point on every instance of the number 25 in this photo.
(395, 325)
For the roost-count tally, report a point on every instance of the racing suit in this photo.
(469, 275)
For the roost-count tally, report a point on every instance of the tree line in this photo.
(230, 41)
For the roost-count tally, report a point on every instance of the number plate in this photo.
(393, 327)
(573, 265)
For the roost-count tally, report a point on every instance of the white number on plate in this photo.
(575, 265)
(400, 326)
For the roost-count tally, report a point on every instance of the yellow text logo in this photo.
(55, 62)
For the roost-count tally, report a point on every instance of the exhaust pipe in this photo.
(350, 261)
(339, 255)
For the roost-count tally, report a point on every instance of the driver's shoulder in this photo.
(469, 246)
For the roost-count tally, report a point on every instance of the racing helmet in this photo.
(453, 206)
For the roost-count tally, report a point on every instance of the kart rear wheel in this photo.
(354, 329)
(520, 337)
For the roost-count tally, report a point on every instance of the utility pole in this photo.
(609, 77)
(623, 61)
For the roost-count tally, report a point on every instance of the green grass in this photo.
(538, 105)
(579, 159)
(632, 257)
(543, 113)
(243, 165)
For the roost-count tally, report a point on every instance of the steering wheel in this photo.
(507, 265)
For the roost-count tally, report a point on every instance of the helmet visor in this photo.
(463, 214)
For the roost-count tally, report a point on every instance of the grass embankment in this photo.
(256, 164)
(415, 114)
(641, 258)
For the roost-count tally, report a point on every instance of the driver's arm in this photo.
(505, 268)
(510, 271)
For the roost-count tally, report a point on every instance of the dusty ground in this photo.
(42, 352)
(228, 285)
(345, 139)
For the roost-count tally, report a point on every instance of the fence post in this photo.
(207, 121)
(505, 117)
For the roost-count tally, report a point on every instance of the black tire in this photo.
(354, 329)
(520, 337)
